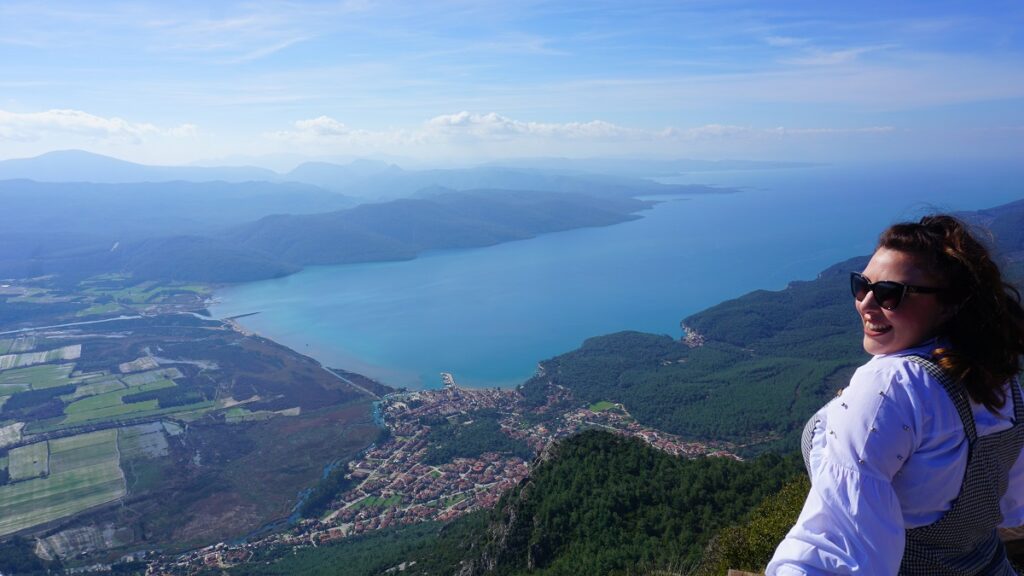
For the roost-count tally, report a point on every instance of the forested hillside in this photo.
(761, 364)
(597, 503)
(187, 244)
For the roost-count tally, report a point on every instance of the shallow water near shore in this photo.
(488, 315)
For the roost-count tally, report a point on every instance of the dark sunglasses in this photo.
(888, 294)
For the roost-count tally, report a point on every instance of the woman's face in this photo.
(917, 317)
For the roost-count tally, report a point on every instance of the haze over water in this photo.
(488, 315)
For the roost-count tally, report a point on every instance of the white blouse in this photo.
(888, 454)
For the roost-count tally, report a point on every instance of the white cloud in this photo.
(324, 129)
(785, 41)
(818, 57)
(493, 125)
(323, 126)
(184, 131)
(29, 126)
(472, 135)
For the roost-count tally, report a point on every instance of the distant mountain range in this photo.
(81, 166)
(373, 179)
(75, 214)
(210, 232)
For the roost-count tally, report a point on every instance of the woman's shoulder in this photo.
(903, 374)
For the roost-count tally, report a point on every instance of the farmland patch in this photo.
(22, 344)
(96, 388)
(11, 434)
(72, 352)
(27, 462)
(84, 473)
(9, 389)
(41, 500)
(138, 365)
(37, 377)
(151, 376)
(83, 450)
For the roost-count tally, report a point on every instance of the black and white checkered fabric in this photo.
(964, 542)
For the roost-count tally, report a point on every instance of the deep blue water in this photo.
(489, 315)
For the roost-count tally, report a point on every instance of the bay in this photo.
(488, 315)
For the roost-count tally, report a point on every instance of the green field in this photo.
(83, 450)
(15, 345)
(8, 361)
(38, 377)
(238, 414)
(95, 387)
(84, 473)
(142, 293)
(601, 406)
(151, 376)
(374, 501)
(27, 462)
(109, 404)
(99, 309)
(8, 389)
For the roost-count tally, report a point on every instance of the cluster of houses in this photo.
(396, 486)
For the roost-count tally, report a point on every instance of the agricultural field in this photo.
(178, 489)
(151, 376)
(84, 473)
(238, 414)
(37, 377)
(109, 404)
(119, 294)
(95, 387)
(27, 462)
(10, 434)
(72, 352)
(105, 309)
(16, 345)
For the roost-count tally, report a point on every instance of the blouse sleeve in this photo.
(852, 521)
(1012, 504)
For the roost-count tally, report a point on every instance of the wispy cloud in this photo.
(35, 125)
(493, 125)
(785, 41)
(819, 57)
(467, 128)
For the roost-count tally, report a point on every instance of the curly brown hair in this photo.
(986, 329)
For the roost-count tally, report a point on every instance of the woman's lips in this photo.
(876, 329)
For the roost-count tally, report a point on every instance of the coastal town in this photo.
(398, 482)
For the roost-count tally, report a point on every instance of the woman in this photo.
(918, 461)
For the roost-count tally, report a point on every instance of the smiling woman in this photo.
(918, 461)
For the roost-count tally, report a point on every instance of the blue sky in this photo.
(449, 81)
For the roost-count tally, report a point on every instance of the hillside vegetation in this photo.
(768, 359)
(597, 503)
(120, 234)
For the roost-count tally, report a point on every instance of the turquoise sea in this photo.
(488, 315)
